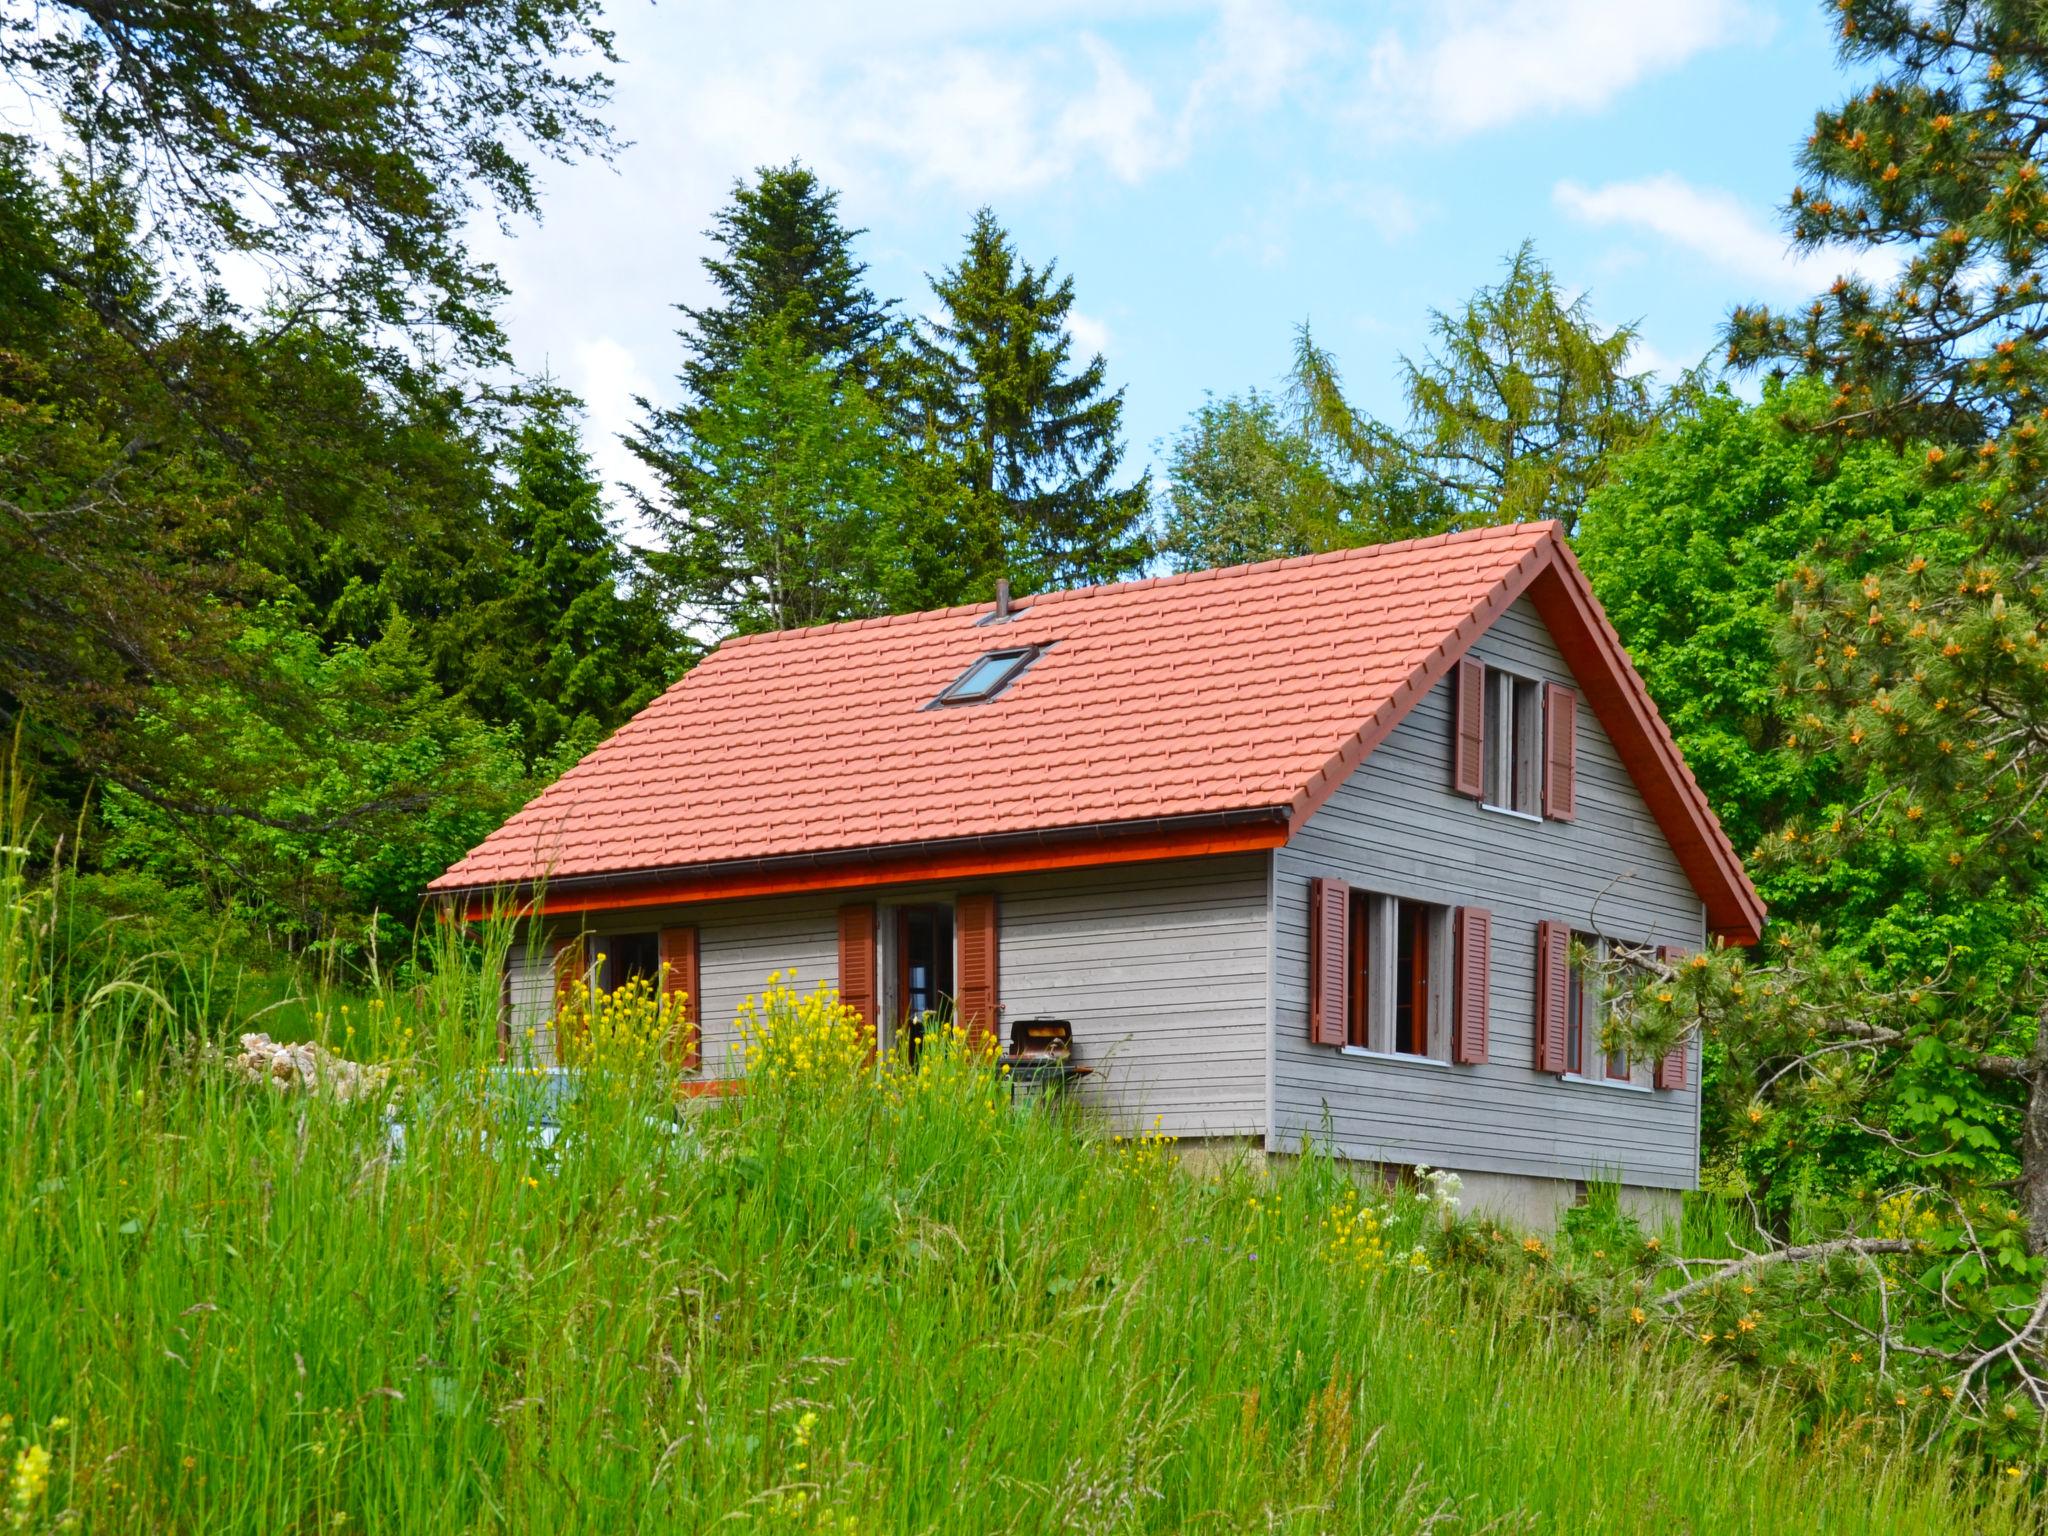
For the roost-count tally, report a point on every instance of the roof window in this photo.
(989, 675)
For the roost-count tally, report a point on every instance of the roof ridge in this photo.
(1530, 532)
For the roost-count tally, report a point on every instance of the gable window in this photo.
(1514, 743)
(1400, 977)
(989, 675)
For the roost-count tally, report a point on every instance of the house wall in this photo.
(1395, 827)
(1161, 967)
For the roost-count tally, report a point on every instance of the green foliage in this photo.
(1690, 546)
(1243, 484)
(871, 1305)
(1033, 440)
(802, 497)
(1946, 1269)
(1513, 413)
(382, 784)
(346, 146)
(579, 640)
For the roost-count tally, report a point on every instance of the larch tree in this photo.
(1035, 440)
(1514, 412)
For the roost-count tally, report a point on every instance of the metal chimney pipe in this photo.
(1002, 598)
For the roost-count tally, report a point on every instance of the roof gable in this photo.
(1197, 700)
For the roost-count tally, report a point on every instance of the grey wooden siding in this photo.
(1396, 828)
(1162, 968)
(738, 944)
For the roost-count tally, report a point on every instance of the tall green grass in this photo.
(828, 1306)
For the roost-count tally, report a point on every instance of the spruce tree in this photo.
(786, 420)
(1035, 440)
(781, 256)
(580, 639)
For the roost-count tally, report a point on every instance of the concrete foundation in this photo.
(1523, 1202)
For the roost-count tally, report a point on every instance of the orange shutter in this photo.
(1468, 756)
(1468, 1028)
(1670, 1071)
(679, 979)
(1560, 751)
(570, 968)
(977, 1000)
(857, 961)
(1553, 984)
(1329, 934)
(505, 1010)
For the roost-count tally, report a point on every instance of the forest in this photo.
(307, 582)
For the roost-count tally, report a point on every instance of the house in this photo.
(1299, 848)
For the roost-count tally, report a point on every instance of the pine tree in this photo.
(1930, 674)
(581, 641)
(1035, 440)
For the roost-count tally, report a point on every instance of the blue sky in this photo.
(1211, 174)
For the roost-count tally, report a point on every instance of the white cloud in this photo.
(1719, 228)
(609, 377)
(986, 101)
(1090, 334)
(1482, 64)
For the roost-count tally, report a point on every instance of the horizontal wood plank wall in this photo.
(1161, 968)
(1397, 827)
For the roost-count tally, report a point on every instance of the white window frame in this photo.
(1592, 1067)
(1514, 736)
(1382, 931)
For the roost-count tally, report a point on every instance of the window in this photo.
(1514, 743)
(1611, 968)
(1399, 987)
(989, 676)
(625, 957)
(924, 970)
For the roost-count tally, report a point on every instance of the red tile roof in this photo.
(1247, 690)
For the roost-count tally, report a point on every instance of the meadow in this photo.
(848, 1301)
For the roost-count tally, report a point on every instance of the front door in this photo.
(924, 967)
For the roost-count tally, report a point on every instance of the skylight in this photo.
(988, 676)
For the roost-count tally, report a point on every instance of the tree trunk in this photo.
(2034, 1140)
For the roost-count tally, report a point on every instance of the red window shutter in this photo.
(1468, 1027)
(1329, 967)
(977, 1000)
(571, 966)
(505, 1010)
(1670, 1071)
(1553, 984)
(1468, 756)
(857, 961)
(679, 979)
(1560, 751)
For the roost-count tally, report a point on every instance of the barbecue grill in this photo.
(1041, 1053)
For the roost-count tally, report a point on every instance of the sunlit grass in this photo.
(849, 1301)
